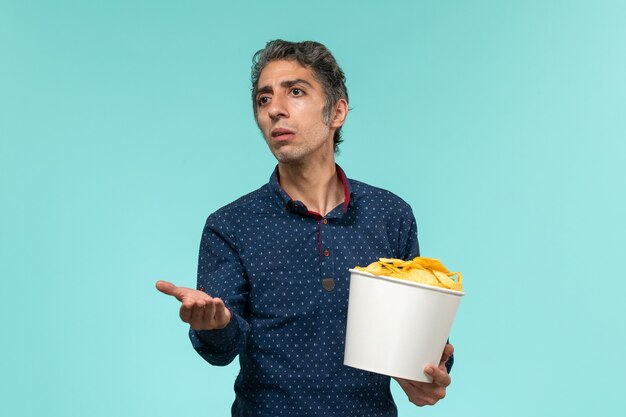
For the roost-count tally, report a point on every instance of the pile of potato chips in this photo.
(427, 271)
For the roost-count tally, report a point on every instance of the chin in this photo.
(283, 155)
(288, 157)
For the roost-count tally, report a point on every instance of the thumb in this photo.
(169, 289)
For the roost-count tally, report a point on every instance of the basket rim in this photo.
(409, 283)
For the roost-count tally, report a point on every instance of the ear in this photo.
(339, 114)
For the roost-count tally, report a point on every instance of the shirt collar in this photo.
(299, 207)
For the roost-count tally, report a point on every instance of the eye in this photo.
(297, 92)
(263, 100)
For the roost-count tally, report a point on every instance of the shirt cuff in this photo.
(449, 363)
(219, 339)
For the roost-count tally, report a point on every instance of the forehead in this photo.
(278, 71)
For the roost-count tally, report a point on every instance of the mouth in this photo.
(281, 134)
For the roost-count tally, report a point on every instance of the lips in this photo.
(282, 134)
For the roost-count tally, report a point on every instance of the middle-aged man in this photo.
(273, 265)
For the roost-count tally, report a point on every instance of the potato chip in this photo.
(421, 276)
(392, 261)
(427, 271)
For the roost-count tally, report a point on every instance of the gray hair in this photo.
(312, 55)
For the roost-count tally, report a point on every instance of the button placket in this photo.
(328, 281)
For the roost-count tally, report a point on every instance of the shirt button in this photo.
(325, 221)
(326, 252)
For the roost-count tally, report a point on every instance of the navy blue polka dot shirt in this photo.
(283, 272)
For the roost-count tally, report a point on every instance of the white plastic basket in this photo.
(396, 327)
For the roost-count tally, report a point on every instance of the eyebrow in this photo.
(285, 84)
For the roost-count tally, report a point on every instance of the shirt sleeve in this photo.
(409, 246)
(221, 274)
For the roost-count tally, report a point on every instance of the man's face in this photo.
(290, 104)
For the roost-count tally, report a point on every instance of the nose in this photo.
(277, 108)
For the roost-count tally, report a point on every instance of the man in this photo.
(273, 265)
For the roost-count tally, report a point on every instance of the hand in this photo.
(197, 308)
(424, 393)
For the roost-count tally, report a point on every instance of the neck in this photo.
(315, 184)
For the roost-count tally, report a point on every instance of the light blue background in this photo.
(123, 124)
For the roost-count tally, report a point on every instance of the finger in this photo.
(421, 393)
(186, 308)
(222, 314)
(416, 388)
(185, 312)
(169, 289)
(440, 376)
(210, 312)
(198, 315)
(448, 350)
(407, 384)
